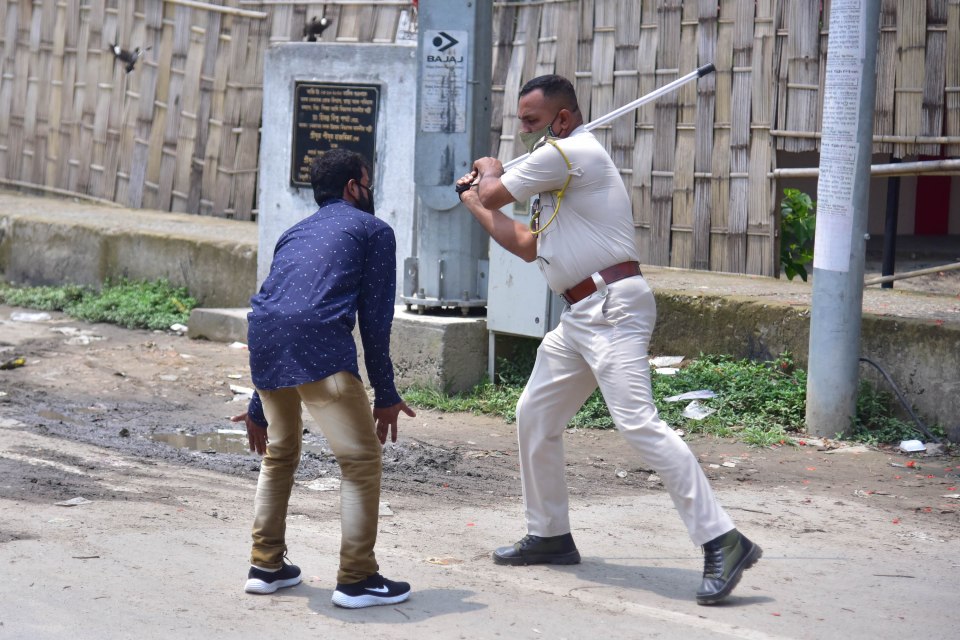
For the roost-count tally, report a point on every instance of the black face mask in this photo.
(367, 203)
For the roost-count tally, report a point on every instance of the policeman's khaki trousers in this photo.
(603, 339)
(340, 407)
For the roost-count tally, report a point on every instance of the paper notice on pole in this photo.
(839, 142)
(443, 81)
(835, 206)
(841, 114)
(847, 28)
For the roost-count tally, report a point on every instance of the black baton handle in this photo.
(705, 69)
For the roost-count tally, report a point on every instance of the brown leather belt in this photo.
(582, 289)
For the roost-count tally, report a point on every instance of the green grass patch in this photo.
(876, 424)
(759, 403)
(129, 304)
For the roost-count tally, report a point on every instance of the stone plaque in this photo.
(332, 116)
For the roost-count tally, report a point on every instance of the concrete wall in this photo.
(45, 243)
(48, 241)
(440, 352)
(922, 357)
(394, 68)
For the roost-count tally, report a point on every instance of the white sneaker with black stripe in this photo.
(372, 591)
(262, 581)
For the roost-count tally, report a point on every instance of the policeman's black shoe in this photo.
(537, 550)
(725, 558)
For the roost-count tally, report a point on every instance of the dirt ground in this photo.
(134, 425)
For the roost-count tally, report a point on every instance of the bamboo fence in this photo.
(180, 132)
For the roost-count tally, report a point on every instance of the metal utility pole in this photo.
(842, 199)
(453, 128)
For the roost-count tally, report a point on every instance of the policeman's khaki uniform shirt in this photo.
(594, 227)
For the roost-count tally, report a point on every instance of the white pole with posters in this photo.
(842, 200)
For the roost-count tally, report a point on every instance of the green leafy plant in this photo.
(875, 422)
(133, 305)
(136, 305)
(759, 403)
(797, 227)
(751, 397)
(43, 298)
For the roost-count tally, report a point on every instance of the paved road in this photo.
(164, 557)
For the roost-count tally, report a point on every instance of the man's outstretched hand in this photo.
(256, 435)
(386, 418)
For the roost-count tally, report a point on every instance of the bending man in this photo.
(329, 269)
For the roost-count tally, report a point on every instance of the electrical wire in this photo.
(903, 400)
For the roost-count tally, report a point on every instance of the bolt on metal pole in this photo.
(842, 198)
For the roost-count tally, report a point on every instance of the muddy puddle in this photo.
(220, 441)
(225, 441)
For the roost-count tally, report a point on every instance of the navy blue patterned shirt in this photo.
(328, 271)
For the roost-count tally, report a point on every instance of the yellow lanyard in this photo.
(535, 219)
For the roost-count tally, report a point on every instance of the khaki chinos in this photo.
(603, 339)
(340, 407)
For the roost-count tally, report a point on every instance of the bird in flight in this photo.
(129, 58)
(315, 28)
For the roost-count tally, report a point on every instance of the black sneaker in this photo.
(260, 581)
(370, 592)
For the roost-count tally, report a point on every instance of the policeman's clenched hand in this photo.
(464, 183)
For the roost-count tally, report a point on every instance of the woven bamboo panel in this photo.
(761, 213)
(803, 78)
(720, 157)
(625, 87)
(642, 176)
(681, 227)
(566, 53)
(911, 38)
(55, 113)
(583, 79)
(952, 79)
(702, 206)
(548, 38)
(934, 74)
(735, 258)
(181, 130)
(665, 131)
(501, 60)
(521, 69)
(886, 73)
(601, 65)
(824, 39)
(385, 20)
(9, 20)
